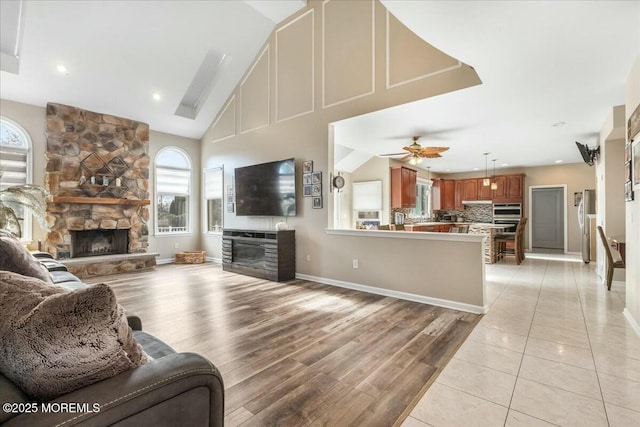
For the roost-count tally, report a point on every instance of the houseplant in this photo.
(16, 200)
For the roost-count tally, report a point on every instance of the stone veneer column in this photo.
(81, 144)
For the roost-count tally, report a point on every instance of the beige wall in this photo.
(357, 85)
(33, 120)
(632, 310)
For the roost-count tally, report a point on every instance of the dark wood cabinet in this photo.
(403, 187)
(266, 254)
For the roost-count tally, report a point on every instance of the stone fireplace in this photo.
(98, 175)
(86, 243)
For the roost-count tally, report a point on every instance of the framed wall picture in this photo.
(317, 203)
(307, 166)
(316, 178)
(316, 190)
(306, 179)
(635, 149)
(306, 190)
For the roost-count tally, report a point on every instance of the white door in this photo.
(547, 218)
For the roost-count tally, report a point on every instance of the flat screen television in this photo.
(267, 189)
(588, 155)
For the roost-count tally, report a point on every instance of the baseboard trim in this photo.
(165, 261)
(454, 305)
(214, 260)
(634, 324)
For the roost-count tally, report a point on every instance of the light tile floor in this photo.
(554, 349)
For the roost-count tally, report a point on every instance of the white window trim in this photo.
(204, 202)
(27, 229)
(189, 231)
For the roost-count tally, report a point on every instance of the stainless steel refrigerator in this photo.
(586, 207)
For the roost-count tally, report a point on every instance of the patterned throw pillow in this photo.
(54, 341)
(15, 257)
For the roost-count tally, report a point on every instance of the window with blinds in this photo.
(213, 195)
(173, 188)
(15, 166)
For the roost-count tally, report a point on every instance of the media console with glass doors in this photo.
(266, 254)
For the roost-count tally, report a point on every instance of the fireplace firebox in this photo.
(88, 243)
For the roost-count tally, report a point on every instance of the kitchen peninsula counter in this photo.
(422, 267)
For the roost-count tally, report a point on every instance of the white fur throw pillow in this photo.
(53, 341)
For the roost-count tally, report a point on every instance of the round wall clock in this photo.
(338, 182)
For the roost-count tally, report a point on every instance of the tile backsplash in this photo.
(471, 213)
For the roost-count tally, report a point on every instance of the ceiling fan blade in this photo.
(430, 155)
(434, 149)
(391, 154)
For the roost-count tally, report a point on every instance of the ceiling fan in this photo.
(415, 153)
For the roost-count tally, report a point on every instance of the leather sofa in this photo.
(174, 389)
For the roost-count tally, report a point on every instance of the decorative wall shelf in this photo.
(100, 201)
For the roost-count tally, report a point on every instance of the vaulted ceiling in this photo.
(551, 71)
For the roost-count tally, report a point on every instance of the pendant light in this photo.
(486, 181)
(494, 184)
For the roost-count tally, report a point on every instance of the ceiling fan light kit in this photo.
(416, 153)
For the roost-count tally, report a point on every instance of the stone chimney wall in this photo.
(93, 157)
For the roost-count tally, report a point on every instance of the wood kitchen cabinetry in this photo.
(470, 189)
(403, 187)
(459, 190)
(484, 191)
(510, 189)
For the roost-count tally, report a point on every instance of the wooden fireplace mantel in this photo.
(99, 200)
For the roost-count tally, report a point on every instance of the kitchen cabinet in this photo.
(501, 183)
(459, 189)
(484, 191)
(448, 194)
(510, 189)
(470, 189)
(403, 187)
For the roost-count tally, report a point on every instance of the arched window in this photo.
(15, 164)
(173, 188)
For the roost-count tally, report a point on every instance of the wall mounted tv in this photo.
(267, 189)
(588, 155)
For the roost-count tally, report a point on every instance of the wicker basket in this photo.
(190, 257)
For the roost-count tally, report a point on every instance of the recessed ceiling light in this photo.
(448, 170)
(505, 164)
(62, 69)
(476, 169)
(558, 124)
(156, 96)
(559, 161)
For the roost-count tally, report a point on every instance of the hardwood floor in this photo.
(297, 353)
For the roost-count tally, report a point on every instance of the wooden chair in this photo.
(383, 227)
(614, 259)
(501, 242)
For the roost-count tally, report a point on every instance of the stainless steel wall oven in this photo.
(507, 214)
